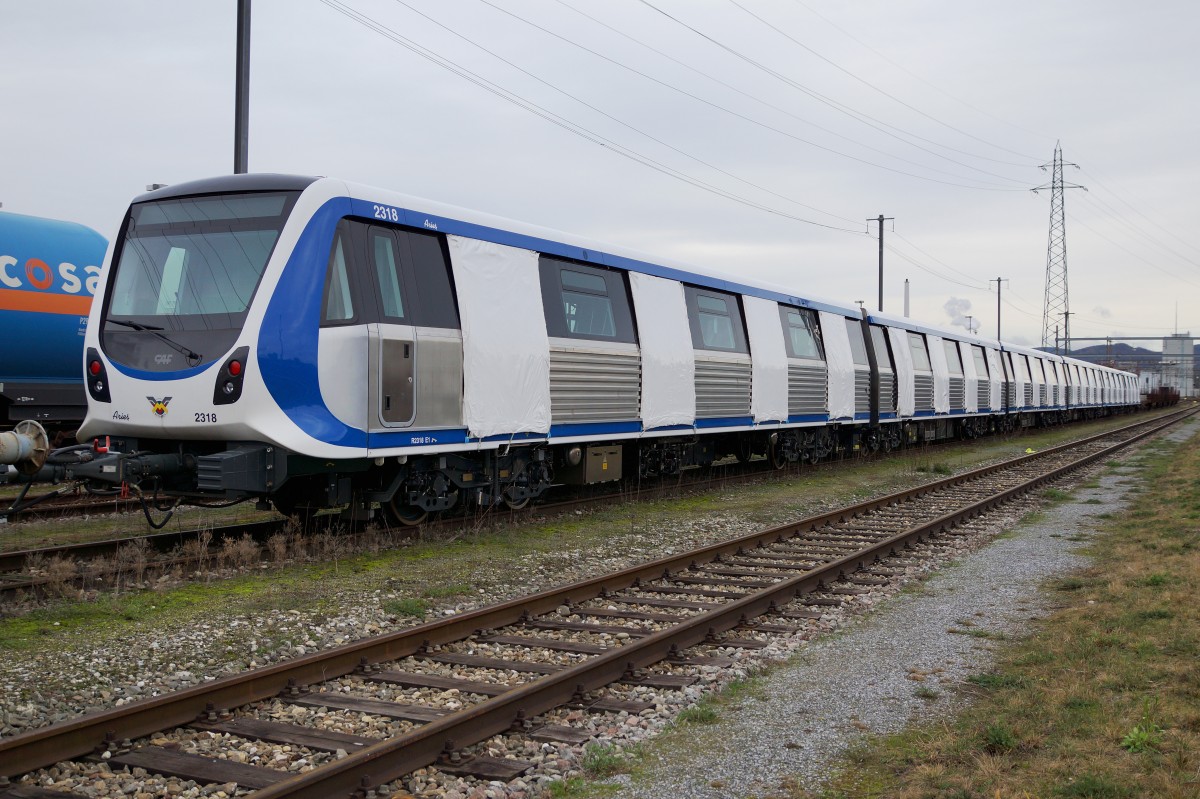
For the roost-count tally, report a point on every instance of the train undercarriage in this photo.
(406, 490)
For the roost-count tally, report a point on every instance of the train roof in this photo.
(555, 242)
(906, 323)
(224, 184)
(464, 221)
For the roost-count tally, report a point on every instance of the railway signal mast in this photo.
(1057, 304)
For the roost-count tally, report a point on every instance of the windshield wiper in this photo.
(192, 356)
(134, 325)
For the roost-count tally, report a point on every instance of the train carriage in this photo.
(313, 343)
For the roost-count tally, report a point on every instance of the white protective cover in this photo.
(906, 399)
(972, 377)
(839, 359)
(997, 370)
(769, 365)
(668, 362)
(506, 351)
(941, 373)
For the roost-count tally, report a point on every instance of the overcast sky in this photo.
(712, 131)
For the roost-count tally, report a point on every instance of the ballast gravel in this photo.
(866, 678)
(888, 669)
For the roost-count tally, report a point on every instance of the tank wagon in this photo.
(312, 343)
(49, 271)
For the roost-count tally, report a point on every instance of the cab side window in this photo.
(337, 305)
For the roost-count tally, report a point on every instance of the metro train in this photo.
(49, 271)
(311, 343)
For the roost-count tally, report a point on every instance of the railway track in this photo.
(130, 561)
(436, 691)
(62, 502)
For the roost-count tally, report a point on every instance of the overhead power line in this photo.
(917, 77)
(772, 106)
(1133, 254)
(620, 122)
(928, 269)
(1137, 231)
(840, 107)
(559, 121)
(875, 88)
(751, 120)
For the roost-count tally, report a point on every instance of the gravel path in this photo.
(895, 666)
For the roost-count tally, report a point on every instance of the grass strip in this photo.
(1103, 700)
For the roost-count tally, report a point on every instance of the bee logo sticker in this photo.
(159, 406)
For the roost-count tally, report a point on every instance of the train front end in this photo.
(170, 357)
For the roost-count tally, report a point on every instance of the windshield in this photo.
(184, 275)
(193, 263)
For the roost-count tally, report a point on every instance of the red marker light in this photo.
(235, 368)
(94, 367)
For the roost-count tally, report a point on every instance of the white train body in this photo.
(317, 343)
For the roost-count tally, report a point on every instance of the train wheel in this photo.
(515, 504)
(404, 514)
(776, 456)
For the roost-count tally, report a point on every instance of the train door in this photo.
(416, 343)
(393, 343)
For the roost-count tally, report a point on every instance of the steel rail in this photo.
(395, 757)
(77, 737)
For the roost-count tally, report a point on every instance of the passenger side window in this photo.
(716, 320)
(858, 347)
(981, 368)
(879, 341)
(801, 332)
(585, 302)
(716, 325)
(586, 305)
(953, 357)
(338, 303)
(920, 355)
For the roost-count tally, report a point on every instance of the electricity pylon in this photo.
(1057, 305)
